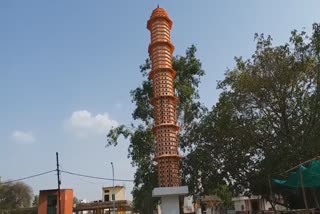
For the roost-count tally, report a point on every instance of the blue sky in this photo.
(66, 69)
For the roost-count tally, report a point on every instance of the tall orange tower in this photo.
(164, 101)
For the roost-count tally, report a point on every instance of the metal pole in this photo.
(113, 196)
(303, 190)
(270, 188)
(59, 182)
(271, 195)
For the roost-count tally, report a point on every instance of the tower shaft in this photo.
(164, 101)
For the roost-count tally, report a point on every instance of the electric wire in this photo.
(95, 177)
(89, 182)
(32, 176)
(67, 172)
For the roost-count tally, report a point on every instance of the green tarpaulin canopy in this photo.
(310, 174)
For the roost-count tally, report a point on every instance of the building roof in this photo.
(54, 190)
(116, 187)
(242, 198)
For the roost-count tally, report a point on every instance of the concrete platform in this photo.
(170, 198)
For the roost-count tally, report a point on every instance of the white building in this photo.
(254, 203)
(119, 192)
(188, 205)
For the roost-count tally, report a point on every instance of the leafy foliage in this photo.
(223, 192)
(35, 201)
(267, 119)
(75, 200)
(15, 195)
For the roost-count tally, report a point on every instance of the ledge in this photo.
(170, 191)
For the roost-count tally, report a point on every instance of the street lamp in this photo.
(113, 196)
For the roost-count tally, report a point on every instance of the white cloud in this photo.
(23, 137)
(83, 124)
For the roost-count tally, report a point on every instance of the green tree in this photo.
(35, 201)
(267, 119)
(141, 146)
(15, 195)
(75, 200)
(223, 192)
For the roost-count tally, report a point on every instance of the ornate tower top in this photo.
(159, 13)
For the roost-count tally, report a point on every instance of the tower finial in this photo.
(158, 5)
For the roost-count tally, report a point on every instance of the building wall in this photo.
(239, 204)
(66, 196)
(171, 204)
(121, 194)
(188, 206)
(67, 201)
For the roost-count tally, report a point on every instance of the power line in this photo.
(90, 182)
(67, 172)
(95, 177)
(32, 176)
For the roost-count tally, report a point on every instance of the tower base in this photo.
(170, 198)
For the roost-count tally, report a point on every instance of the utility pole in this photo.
(113, 196)
(59, 182)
